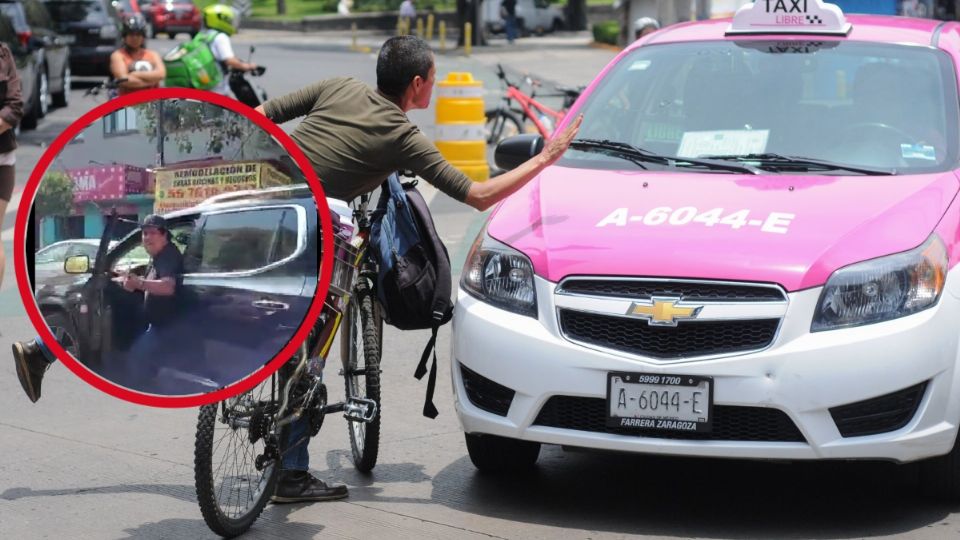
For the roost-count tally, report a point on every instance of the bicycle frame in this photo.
(529, 104)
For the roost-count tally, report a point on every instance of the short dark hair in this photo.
(401, 59)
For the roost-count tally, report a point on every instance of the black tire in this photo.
(492, 454)
(214, 434)
(557, 25)
(32, 116)
(362, 375)
(62, 328)
(62, 98)
(940, 476)
(501, 124)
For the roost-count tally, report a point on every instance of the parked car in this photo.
(35, 32)
(532, 16)
(751, 251)
(173, 16)
(95, 26)
(250, 271)
(48, 261)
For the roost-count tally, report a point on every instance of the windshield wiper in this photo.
(640, 156)
(771, 160)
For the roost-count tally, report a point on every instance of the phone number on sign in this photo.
(774, 222)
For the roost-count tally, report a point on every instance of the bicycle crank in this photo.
(360, 409)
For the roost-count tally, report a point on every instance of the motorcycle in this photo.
(244, 89)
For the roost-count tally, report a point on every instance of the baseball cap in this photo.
(153, 220)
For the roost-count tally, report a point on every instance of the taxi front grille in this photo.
(730, 423)
(688, 291)
(687, 339)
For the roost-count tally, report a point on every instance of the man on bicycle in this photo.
(354, 137)
(221, 23)
(136, 66)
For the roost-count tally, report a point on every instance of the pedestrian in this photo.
(355, 136)
(407, 13)
(508, 11)
(133, 63)
(644, 26)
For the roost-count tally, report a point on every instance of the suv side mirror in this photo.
(77, 264)
(513, 151)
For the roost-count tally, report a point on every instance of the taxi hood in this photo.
(790, 230)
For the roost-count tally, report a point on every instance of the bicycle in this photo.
(110, 87)
(507, 120)
(249, 429)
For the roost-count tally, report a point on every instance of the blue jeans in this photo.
(47, 353)
(137, 368)
(511, 26)
(298, 458)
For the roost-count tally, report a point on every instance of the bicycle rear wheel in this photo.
(235, 458)
(501, 124)
(361, 339)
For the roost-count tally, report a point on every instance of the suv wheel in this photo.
(62, 329)
(32, 116)
(62, 98)
(492, 454)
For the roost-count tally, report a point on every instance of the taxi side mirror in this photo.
(77, 264)
(514, 151)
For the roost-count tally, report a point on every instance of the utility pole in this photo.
(160, 133)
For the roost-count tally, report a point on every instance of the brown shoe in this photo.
(31, 365)
(301, 486)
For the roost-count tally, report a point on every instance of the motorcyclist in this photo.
(134, 65)
(222, 22)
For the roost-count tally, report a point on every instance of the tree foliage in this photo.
(183, 119)
(55, 195)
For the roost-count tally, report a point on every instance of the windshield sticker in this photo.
(639, 65)
(918, 151)
(725, 143)
(660, 132)
(774, 222)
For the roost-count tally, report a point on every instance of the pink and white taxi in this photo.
(750, 251)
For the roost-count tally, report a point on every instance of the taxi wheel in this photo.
(940, 476)
(492, 454)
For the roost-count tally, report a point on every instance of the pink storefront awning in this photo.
(110, 182)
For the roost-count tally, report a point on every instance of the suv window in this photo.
(77, 10)
(37, 15)
(16, 14)
(243, 240)
(134, 255)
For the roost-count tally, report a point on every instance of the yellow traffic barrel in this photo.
(459, 127)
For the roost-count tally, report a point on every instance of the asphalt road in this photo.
(83, 464)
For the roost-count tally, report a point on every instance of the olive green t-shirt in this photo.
(354, 138)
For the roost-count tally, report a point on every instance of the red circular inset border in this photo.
(20, 263)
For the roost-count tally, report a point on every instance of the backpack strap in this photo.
(429, 409)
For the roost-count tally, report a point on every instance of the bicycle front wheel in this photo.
(361, 339)
(235, 458)
(501, 124)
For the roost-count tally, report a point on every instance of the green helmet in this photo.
(220, 17)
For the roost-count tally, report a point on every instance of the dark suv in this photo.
(250, 273)
(95, 25)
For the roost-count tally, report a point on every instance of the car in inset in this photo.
(250, 273)
(173, 17)
(95, 26)
(749, 251)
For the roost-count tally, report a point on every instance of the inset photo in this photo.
(176, 247)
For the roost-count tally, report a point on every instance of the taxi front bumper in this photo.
(798, 379)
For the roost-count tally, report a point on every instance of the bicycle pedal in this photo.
(360, 409)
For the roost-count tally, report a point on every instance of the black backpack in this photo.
(414, 281)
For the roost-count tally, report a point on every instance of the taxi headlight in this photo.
(500, 275)
(882, 289)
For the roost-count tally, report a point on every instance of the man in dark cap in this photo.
(159, 285)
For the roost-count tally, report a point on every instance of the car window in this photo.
(866, 104)
(243, 240)
(90, 250)
(37, 15)
(15, 12)
(51, 254)
(66, 11)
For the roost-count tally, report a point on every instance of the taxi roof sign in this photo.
(789, 17)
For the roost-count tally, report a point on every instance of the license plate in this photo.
(658, 401)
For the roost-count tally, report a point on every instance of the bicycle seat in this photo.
(571, 91)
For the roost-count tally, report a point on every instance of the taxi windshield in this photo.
(858, 104)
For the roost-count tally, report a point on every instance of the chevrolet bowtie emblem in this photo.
(663, 311)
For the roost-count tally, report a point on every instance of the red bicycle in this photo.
(507, 119)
